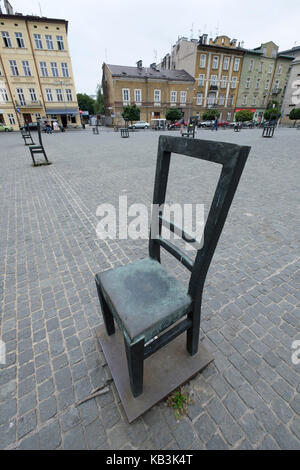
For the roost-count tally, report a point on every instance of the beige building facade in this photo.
(153, 91)
(291, 98)
(36, 76)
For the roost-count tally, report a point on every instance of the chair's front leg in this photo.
(193, 332)
(135, 360)
(107, 315)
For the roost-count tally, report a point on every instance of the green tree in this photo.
(271, 104)
(272, 114)
(244, 115)
(99, 107)
(85, 102)
(173, 114)
(295, 115)
(131, 113)
(210, 115)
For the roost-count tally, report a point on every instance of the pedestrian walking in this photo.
(181, 122)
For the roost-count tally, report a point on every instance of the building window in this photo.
(233, 82)
(3, 93)
(263, 101)
(60, 43)
(215, 64)
(65, 70)
(49, 95)
(254, 101)
(32, 94)
(222, 100)
(183, 97)
(20, 40)
(244, 100)
(280, 69)
(247, 84)
(59, 95)
(11, 119)
(276, 87)
(228, 116)
(274, 53)
(126, 94)
(251, 63)
(213, 80)
(44, 69)
(69, 94)
(26, 68)
(226, 63)
(173, 97)
(264, 51)
(157, 96)
(37, 116)
(14, 68)
(236, 65)
(199, 100)
(201, 80)
(202, 61)
(231, 100)
(267, 84)
(21, 96)
(224, 81)
(6, 39)
(54, 69)
(38, 41)
(261, 66)
(257, 83)
(211, 99)
(138, 96)
(49, 42)
(270, 68)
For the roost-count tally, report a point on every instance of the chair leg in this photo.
(107, 315)
(193, 333)
(135, 360)
(32, 157)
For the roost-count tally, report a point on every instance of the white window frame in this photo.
(244, 102)
(247, 83)
(14, 68)
(6, 39)
(20, 40)
(65, 69)
(183, 96)
(236, 65)
(270, 68)
(59, 95)
(251, 64)
(202, 62)
(215, 63)
(138, 94)
(226, 63)
(254, 100)
(49, 42)
(201, 80)
(60, 43)
(33, 96)
(26, 68)
(277, 83)
(221, 100)
(49, 95)
(21, 96)
(157, 96)
(224, 81)
(69, 94)
(4, 95)
(199, 99)
(214, 80)
(54, 69)
(38, 41)
(173, 96)
(124, 91)
(267, 84)
(211, 99)
(12, 120)
(234, 83)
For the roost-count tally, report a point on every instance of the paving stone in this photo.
(216, 443)
(110, 416)
(285, 439)
(95, 434)
(7, 434)
(205, 428)
(50, 436)
(26, 424)
(74, 439)
(48, 409)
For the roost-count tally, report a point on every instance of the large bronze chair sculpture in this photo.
(143, 298)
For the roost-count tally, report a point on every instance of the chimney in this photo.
(153, 66)
(139, 64)
(204, 38)
(233, 42)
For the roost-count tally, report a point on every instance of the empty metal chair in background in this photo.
(38, 149)
(143, 298)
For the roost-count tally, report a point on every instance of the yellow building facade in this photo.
(36, 76)
(153, 91)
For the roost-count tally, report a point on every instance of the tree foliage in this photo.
(173, 114)
(85, 102)
(244, 115)
(99, 107)
(131, 113)
(210, 115)
(295, 114)
(272, 114)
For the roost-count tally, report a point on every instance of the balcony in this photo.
(214, 87)
(28, 104)
(276, 91)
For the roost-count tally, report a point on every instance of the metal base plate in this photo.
(165, 371)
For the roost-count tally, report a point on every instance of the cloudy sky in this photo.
(124, 31)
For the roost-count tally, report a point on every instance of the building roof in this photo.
(149, 72)
(292, 50)
(37, 19)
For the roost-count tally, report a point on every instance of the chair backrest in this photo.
(232, 158)
(39, 133)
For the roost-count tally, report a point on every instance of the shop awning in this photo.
(62, 111)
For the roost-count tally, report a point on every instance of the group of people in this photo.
(52, 127)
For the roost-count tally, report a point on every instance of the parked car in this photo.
(4, 128)
(139, 125)
(205, 123)
(223, 123)
(175, 125)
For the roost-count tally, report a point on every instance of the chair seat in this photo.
(144, 298)
(36, 147)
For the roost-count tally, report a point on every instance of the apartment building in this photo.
(263, 79)
(291, 98)
(152, 90)
(216, 65)
(36, 77)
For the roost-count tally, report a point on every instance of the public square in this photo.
(248, 397)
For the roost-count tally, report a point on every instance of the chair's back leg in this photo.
(107, 315)
(135, 360)
(192, 339)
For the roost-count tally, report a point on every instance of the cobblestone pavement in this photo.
(248, 397)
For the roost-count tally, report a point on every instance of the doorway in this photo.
(27, 118)
(64, 120)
